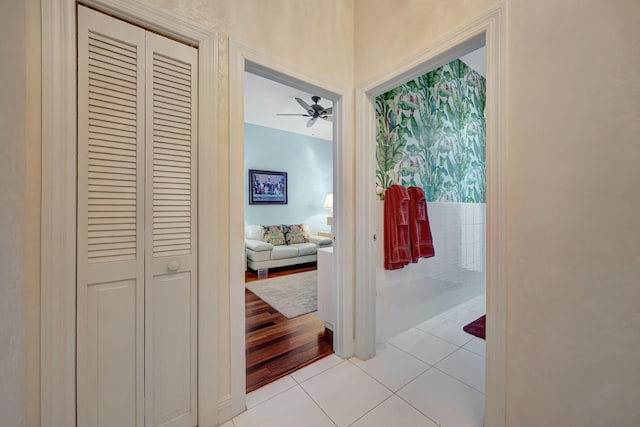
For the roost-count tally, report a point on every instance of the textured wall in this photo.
(574, 234)
(33, 153)
(431, 134)
(314, 35)
(12, 223)
(389, 31)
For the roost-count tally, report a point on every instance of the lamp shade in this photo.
(328, 201)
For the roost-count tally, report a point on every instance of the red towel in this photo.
(420, 230)
(397, 243)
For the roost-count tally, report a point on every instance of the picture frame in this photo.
(267, 187)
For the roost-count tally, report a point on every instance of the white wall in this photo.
(284, 28)
(574, 234)
(309, 165)
(20, 213)
(455, 274)
(12, 200)
(388, 31)
(573, 255)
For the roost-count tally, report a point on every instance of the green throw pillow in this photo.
(293, 234)
(273, 234)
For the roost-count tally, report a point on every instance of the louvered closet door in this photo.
(136, 296)
(171, 240)
(111, 166)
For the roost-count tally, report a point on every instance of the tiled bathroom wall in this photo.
(455, 274)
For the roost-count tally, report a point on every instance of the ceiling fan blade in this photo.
(328, 111)
(327, 118)
(287, 114)
(304, 105)
(311, 121)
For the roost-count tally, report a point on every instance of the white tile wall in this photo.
(457, 273)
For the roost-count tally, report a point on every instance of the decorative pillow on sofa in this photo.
(294, 234)
(306, 231)
(254, 232)
(273, 234)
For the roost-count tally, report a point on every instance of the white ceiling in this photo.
(265, 98)
(477, 60)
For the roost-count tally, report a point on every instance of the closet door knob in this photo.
(173, 265)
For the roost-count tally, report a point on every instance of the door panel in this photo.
(137, 241)
(171, 239)
(171, 306)
(110, 262)
(111, 354)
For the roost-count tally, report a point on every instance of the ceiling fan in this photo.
(313, 111)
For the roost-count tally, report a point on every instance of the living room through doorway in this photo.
(289, 170)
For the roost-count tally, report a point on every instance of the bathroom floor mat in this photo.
(477, 327)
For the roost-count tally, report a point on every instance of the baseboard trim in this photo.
(224, 409)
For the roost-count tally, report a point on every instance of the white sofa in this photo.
(261, 254)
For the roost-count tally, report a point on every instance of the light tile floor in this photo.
(431, 375)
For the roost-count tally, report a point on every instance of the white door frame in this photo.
(489, 29)
(59, 166)
(243, 58)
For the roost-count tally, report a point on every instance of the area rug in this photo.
(292, 295)
(477, 327)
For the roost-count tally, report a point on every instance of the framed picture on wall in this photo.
(267, 187)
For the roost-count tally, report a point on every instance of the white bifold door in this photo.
(137, 247)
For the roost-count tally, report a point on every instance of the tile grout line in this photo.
(484, 356)
(297, 383)
(376, 380)
(318, 404)
(459, 380)
(379, 382)
(434, 365)
(409, 403)
(446, 340)
(363, 415)
(395, 393)
(406, 352)
(277, 394)
(424, 361)
(318, 373)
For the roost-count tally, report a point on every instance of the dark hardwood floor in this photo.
(277, 346)
(252, 276)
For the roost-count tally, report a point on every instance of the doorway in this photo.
(435, 127)
(435, 124)
(243, 58)
(288, 164)
(486, 30)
